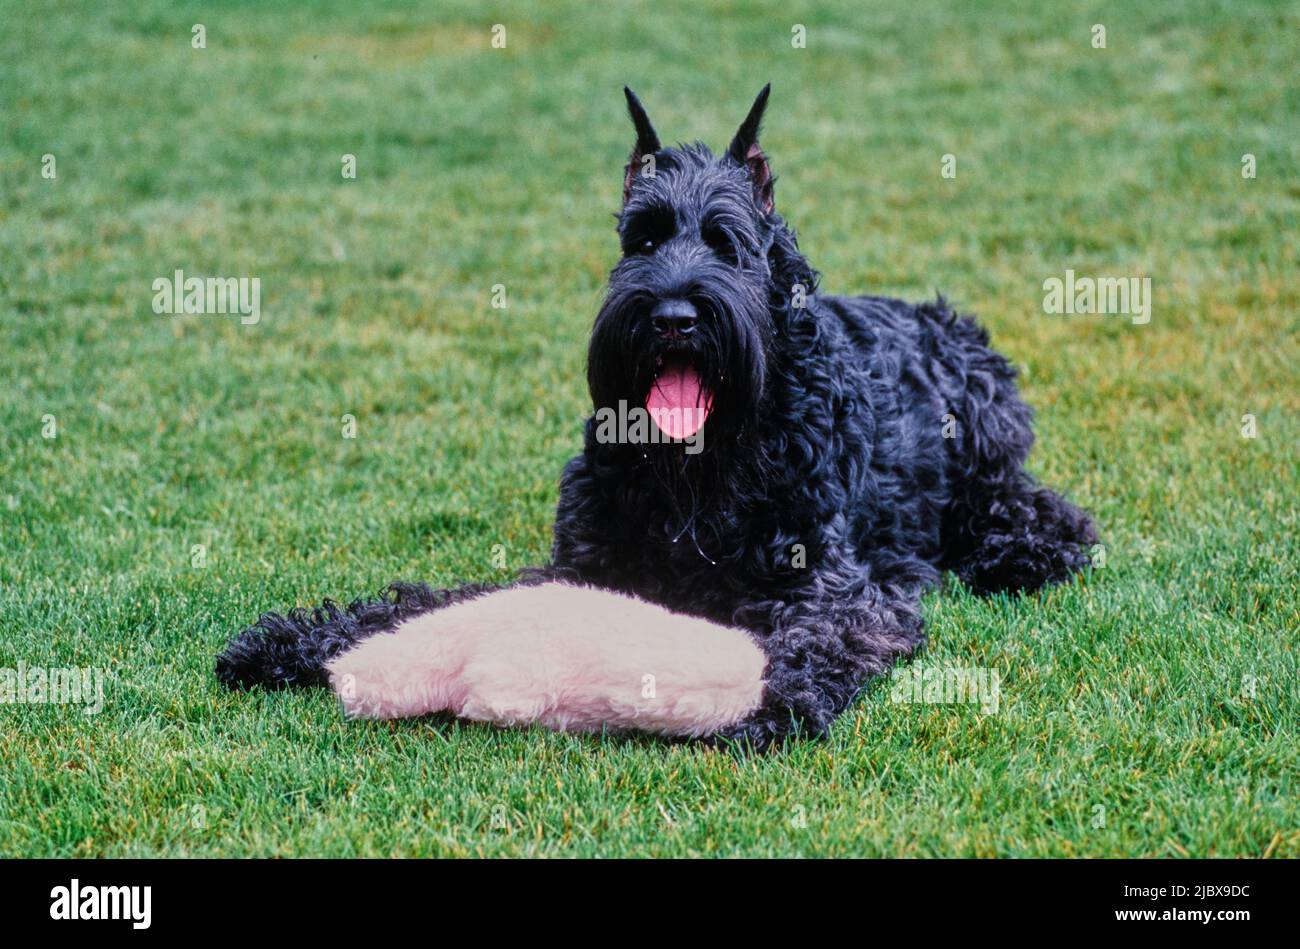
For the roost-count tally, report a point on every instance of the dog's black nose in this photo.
(674, 318)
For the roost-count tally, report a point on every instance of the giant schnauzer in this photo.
(856, 447)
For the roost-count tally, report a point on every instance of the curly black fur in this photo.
(856, 447)
(280, 650)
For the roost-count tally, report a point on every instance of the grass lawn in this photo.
(1148, 710)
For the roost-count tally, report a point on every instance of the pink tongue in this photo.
(677, 402)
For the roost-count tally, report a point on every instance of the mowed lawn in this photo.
(1148, 710)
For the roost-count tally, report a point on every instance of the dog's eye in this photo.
(645, 231)
(721, 243)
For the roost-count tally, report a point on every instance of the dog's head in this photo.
(687, 323)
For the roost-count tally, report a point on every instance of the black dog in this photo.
(856, 447)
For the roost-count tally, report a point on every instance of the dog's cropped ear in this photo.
(647, 142)
(745, 151)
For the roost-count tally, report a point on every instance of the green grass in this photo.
(478, 166)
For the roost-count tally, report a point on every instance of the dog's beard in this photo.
(713, 381)
(710, 383)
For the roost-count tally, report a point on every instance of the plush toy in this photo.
(567, 657)
(559, 654)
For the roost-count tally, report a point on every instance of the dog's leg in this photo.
(282, 650)
(820, 653)
(1007, 533)
(1003, 531)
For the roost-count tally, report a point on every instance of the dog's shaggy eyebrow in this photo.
(652, 214)
(724, 206)
(724, 216)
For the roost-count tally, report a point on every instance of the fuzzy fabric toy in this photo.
(567, 657)
(815, 462)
